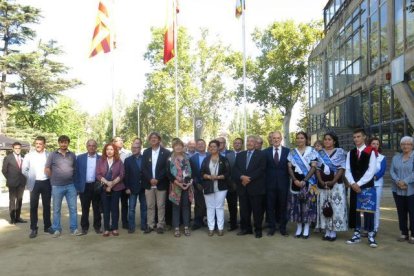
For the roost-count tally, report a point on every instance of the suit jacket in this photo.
(256, 172)
(80, 173)
(196, 168)
(133, 175)
(160, 169)
(231, 157)
(118, 169)
(277, 176)
(12, 172)
(223, 169)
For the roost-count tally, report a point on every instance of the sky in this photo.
(71, 23)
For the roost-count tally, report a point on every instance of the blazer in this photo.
(12, 172)
(160, 169)
(223, 169)
(117, 170)
(256, 172)
(29, 170)
(133, 175)
(80, 173)
(196, 168)
(277, 176)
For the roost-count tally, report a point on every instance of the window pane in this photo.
(373, 6)
(364, 49)
(398, 111)
(365, 108)
(409, 26)
(384, 31)
(374, 42)
(399, 25)
(375, 100)
(386, 103)
(386, 136)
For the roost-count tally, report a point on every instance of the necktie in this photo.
(358, 153)
(19, 161)
(249, 155)
(276, 157)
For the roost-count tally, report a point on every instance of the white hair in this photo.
(407, 139)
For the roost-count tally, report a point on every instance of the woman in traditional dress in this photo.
(378, 178)
(332, 202)
(302, 203)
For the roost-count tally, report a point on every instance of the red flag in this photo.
(170, 30)
(101, 40)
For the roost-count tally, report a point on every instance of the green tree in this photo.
(40, 81)
(15, 30)
(280, 77)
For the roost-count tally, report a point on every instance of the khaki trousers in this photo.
(155, 196)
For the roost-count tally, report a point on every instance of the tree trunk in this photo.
(286, 129)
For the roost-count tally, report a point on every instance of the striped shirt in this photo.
(402, 170)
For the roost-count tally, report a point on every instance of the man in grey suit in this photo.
(231, 196)
(15, 181)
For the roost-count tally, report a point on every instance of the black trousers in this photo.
(251, 204)
(277, 207)
(124, 208)
(231, 198)
(405, 210)
(44, 189)
(86, 198)
(15, 201)
(352, 209)
(199, 207)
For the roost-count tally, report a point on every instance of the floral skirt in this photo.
(338, 200)
(302, 206)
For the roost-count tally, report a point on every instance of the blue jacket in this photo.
(80, 173)
(133, 175)
(277, 177)
(196, 168)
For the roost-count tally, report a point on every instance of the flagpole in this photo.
(176, 69)
(244, 72)
(113, 92)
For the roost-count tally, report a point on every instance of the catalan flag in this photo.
(240, 7)
(101, 40)
(170, 30)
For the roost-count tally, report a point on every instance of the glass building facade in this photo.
(348, 82)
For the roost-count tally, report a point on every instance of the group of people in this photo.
(305, 185)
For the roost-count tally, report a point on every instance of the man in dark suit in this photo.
(231, 196)
(249, 174)
(199, 203)
(277, 184)
(223, 149)
(134, 187)
(15, 181)
(155, 180)
(85, 185)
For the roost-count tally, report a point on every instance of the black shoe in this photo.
(195, 227)
(50, 230)
(160, 230)
(298, 236)
(258, 235)
(33, 234)
(305, 237)
(232, 228)
(131, 231)
(284, 233)
(244, 232)
(326, 238)
(20, 220)
(84, 232)
(332, 239)
(125, 226)
(148, 230)
(12, 221)
(98, 231)
(271, 232)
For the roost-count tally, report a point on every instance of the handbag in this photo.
(97, 187)
(327, 210)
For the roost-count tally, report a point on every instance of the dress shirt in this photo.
(368, 175)
(38, 161)
(154, 160)
(201, 157)
(91, 168)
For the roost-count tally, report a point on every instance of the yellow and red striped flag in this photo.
(101, 40)
(170, 29)
(240, 7)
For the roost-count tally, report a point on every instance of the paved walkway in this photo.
(154, 254)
